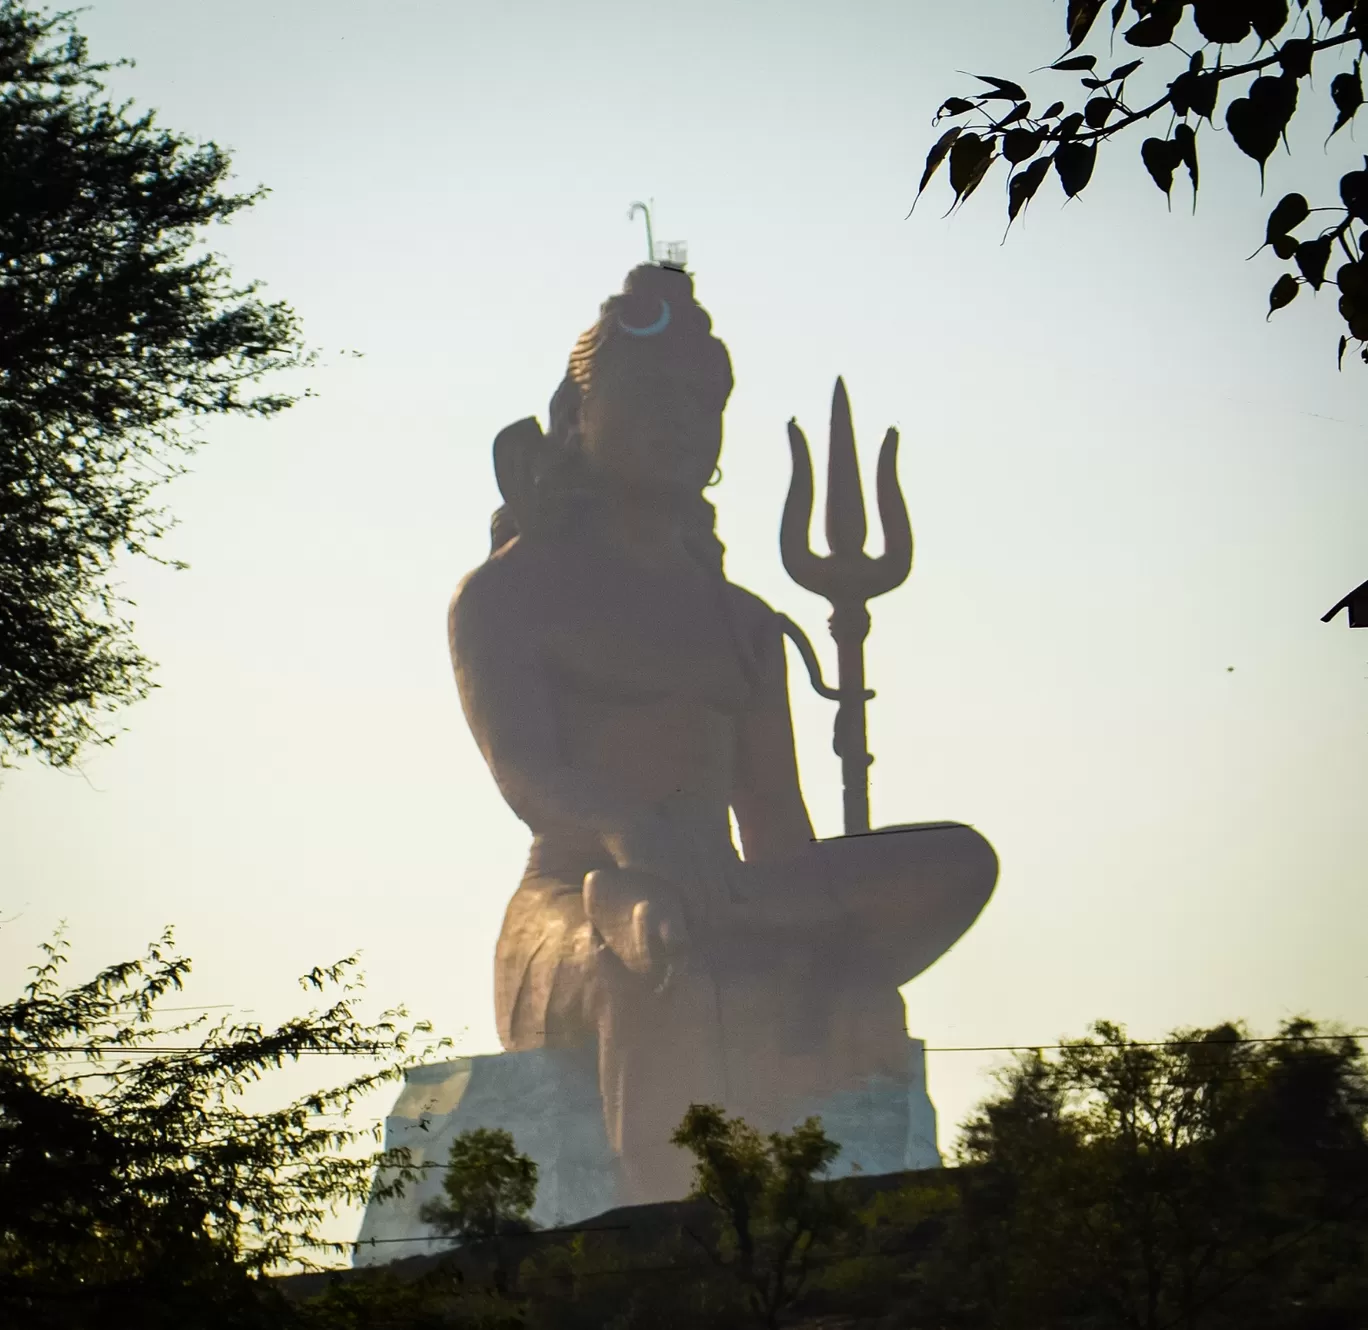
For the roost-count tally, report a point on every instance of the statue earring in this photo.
(716, 478)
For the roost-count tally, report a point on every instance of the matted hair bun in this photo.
(655, 302)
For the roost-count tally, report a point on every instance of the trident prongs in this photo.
(847, 578)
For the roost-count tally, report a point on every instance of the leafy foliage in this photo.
(769, 1191)
(115, 334)
(1210, 1181)
(1206, 1181)
(1266, 51)
(134, 1183)
(489, 1187)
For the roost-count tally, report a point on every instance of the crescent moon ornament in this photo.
(651, 329)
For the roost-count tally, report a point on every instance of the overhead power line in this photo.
(165, 1049)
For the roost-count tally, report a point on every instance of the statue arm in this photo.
(505, 694)
(767, 800)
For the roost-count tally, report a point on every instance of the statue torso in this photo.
(645, 664)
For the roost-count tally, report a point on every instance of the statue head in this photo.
(642, 399)
(637, 418)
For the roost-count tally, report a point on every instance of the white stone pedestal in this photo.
(549, 1100)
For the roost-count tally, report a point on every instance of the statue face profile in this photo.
(652, 427)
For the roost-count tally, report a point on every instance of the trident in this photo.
(848, 579)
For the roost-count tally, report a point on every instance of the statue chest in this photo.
(633, 636)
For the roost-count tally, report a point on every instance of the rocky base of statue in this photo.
(549, 1100)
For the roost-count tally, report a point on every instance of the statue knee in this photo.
(962, 859)
(978, 866)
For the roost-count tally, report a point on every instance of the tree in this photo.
(489, 1187)
(771, 1195)
(1267, 51)
(1209, 1180)
(117, 334)
(134, 1186)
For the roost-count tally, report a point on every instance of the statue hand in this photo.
(651, 845)
(658, 847)
(639, 918)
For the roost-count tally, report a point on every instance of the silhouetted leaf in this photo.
(1312, 257)
(1054, 109)
(1268, 17)
(1015, 114)
(1339, 359)
(1284, 246)
(1074, 162)
(1256, 122)
(1352, 280)
(979, 172)
(1093, 84)
(1156, 28)
(1195, 92)
(1068, 127)
(969, 158)
(1295, 56)
(1186, 142)
(1097, 110)
(1284, 292)
(1161, 159)
(1005, 87)
(1358, 20)
(966, 151)
(1075, 62)
(1180, 92)
(1019, 144)
(1023, 185)
(1346, 91)
(1334, 10)
(954, 106)
(936, 156)
(1118, 13)
(1205, 89)
(1126, 70)
(1289, 213)
(1222, 20)
(1354, 194)
(1079, 19)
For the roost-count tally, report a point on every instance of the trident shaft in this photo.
(847, 578)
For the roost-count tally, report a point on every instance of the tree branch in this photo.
(1220, 75)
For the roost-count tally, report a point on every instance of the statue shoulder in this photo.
(502, 586)
(759, 629)
(749, 611)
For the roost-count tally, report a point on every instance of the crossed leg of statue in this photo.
(745, 1040)
(660, 1049)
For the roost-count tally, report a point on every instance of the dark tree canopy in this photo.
(772, 1196)
(488, 1187)
(1211, 1181)
(136, 1187)
(116, 332)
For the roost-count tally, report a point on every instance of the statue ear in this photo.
(518, 452)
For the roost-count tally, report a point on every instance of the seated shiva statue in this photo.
(630, 702)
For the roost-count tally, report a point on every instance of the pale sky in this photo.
(1122, 483)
